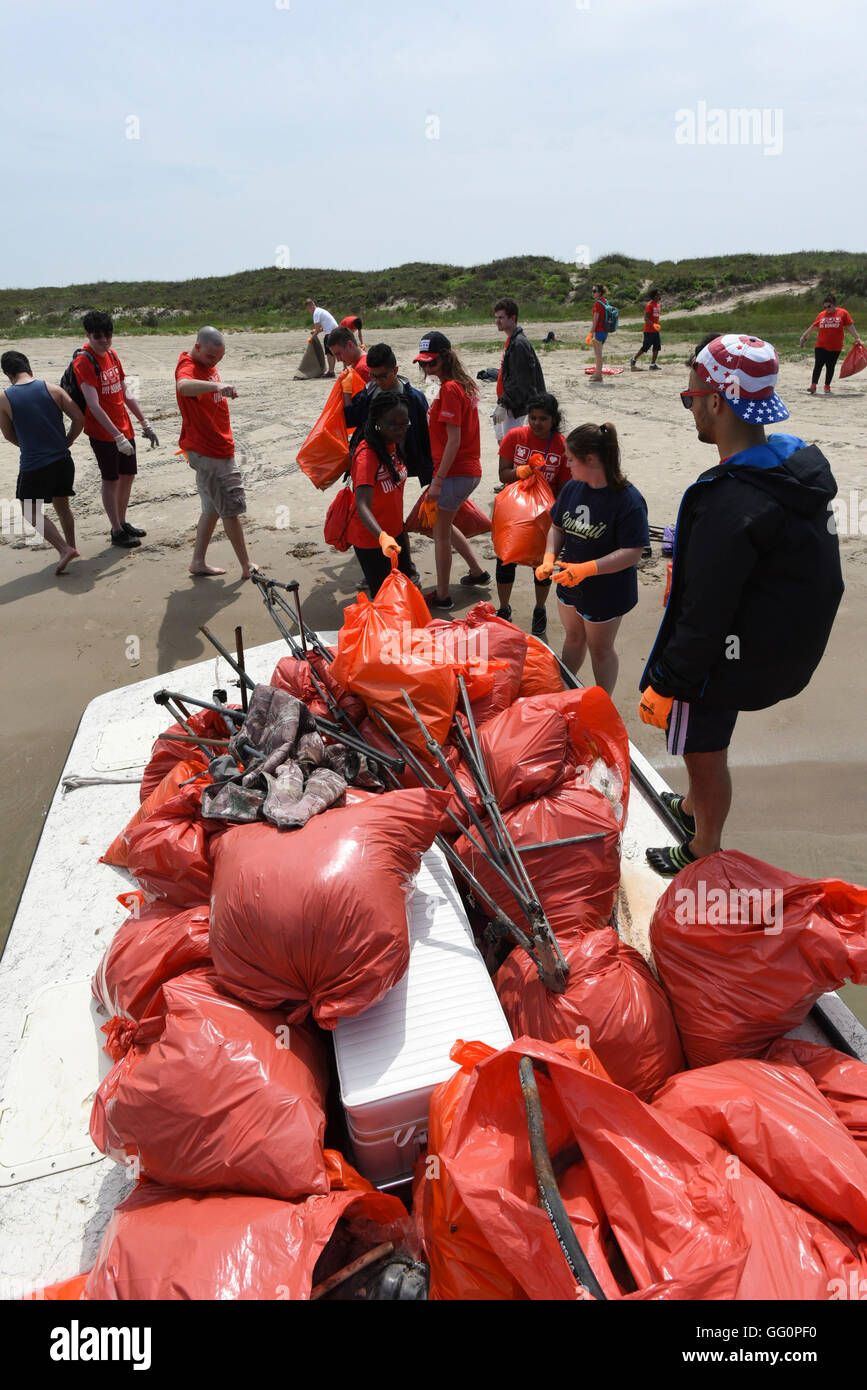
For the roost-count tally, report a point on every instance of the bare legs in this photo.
(234, 529)
(709, 798)
(597, 353)
(598, 639)
(63, 544)
(460, 543)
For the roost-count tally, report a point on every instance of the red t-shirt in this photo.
(387, 503)
(651, 316)
(520, 443)
(598, 320)
(205, 427)
(831, 324)
(109, 388)
(454, 407)
(362, 368)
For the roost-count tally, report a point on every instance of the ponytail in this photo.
(602, 441)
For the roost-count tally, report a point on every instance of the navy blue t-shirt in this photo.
(595, 522)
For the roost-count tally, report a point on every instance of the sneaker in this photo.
(655, 367)
(121, 538)
(632, 364)
(415, 577)
(132, 530)
(468, 581)
(505, 612)
(811, 390)
(827, 390)
(539, 623)
(434, 601)
(647, 552)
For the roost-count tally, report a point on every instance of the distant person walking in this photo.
(597, 327)
(599, 523)
(31, 418)
(755, 586)
(520, 375)
(832, 323)
(453, 422)
(323, 324)
(102, 382)
(651, 342)
(206, 439)
(353, 323)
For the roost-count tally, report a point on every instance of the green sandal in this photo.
(670, 859)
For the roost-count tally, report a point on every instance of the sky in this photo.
(166, 141)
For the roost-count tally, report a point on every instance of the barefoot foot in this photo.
(69, 553)
(249, 570)
(205, 569)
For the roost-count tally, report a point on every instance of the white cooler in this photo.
(391, 1057)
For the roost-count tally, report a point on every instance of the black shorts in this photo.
(591, 610)
(506, 575)
(112, 463)
(694, 729)
(651, 340)
(44, 484)
(377, 567)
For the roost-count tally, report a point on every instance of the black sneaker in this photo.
(505, 612)
(539, 624)
(132, 530)
(647, 552)
(121, 538)
(434, 601)
(468, 581)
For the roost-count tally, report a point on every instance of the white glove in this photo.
(124, 445)
(498, 414)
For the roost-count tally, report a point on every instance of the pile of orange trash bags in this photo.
(738, 1182)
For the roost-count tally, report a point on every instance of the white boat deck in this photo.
(56, 1192)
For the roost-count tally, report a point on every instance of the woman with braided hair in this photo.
(378, 471)
(599, 523)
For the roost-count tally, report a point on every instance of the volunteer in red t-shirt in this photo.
(833, 323)
(353, 323)
(343, 347)
(378, 469)
(651, 342)
(206, 439)
(107, 424)
(538, 444)
(453, 423)
(598, 331)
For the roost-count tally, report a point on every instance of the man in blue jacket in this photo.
(756, 582)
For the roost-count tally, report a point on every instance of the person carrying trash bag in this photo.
(378, 469)
(538, 444)
(833, 323)
(755, 585)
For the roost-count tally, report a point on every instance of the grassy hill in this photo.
(424, 295)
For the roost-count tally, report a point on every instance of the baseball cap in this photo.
(431, 345)
(745, 369)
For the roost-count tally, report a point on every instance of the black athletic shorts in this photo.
(377, 567)
(506, 575)
(651, 340)
(694, 729)
(43, 484)
(112, 463)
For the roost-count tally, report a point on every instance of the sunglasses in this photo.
(688, 396)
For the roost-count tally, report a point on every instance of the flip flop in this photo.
(670, 859)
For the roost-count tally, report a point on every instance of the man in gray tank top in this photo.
(31, 418)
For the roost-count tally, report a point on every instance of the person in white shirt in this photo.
(323, 323)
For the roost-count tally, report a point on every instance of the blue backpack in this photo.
(612, 317)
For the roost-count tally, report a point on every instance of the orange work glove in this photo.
(388, 543)
(589, 339)
(545, 570)
(570, 576)
(655, 709)
(524, 470)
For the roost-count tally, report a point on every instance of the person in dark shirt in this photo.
(31, 418)
(598, 530)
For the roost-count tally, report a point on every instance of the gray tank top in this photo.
(38, 424)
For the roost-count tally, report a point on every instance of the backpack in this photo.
(338, 517)
(69, 381)
(612, 317)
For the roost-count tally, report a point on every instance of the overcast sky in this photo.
(363, 135)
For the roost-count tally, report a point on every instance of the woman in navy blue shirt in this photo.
(598, 531)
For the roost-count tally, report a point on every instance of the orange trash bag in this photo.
(151, 946)
(399, 601)
(841, 1079)
(541, 674)
(522, 520)
(744, 950)
(168, 852)
(214, 1094)
(611, 1003)
(855, 360)
(376, 663)
(294, 674)
(167, 1243)
(118, 850)
(469, 519)
(640, 1180)
(325, 452)
(167, 751)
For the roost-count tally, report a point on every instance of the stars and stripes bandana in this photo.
(745, 369)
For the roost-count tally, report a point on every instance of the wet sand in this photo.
(117, 617)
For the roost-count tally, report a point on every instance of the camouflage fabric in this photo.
(230, 801)
(274, 721)
(322, 789)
